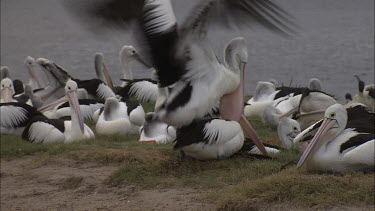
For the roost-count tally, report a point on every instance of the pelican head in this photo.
(7, 90)
(30, 64)
(129, 54)
(315, 84)
(335, 120)
(235, 54)
(4, 72)
(287, 130)
(71, 88)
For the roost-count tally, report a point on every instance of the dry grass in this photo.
(233, 184)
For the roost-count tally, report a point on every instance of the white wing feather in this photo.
(12, 116)
(219, 131)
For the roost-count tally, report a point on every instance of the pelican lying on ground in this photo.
(40, 129)
(287, 128)
(120, 117)
(337, 148)
(154, 131)
(358, 115)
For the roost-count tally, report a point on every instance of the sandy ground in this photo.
(63, 184)
(35, 183)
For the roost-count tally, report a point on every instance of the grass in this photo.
(233, 184)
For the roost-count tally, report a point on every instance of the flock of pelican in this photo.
(199, 100)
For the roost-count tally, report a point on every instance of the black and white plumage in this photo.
(359, 119)
(44, 130)
(312, 106)
(338, 145)
(366, 95)
(56, 81)
(249, 148)
(15, 116)
(154, 131)
(181, 57)
(119, 117)
(210, 139)
(144, 89)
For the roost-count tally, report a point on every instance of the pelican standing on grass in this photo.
(338, 148)
(40, 129)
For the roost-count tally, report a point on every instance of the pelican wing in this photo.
(308, 133)
(44, 130)
(211, 131)
(236, 13)
(16, 114)
(144, 90)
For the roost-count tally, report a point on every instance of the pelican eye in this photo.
(332, 115)
(295, 128)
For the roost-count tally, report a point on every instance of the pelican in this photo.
(366, 94)
(337, 148)
(287, 128)
(120, 117)
(145, 89)
(15, 116)
(102, 71)
(40, 129)
(356, 113)
(54, 90)
(315, 84)
(312, 106)
(4, 72)
(185, 62)
(34, 82)
(154, 131)
(87, 107)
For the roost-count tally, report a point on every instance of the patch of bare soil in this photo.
(64, 184)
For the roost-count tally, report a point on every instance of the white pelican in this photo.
(145, 89)
(184, 61)
(154, 131)
(87, 107)
(357, 113)
(287, 128)
(43, 130)
(315, 84)
(15, 116)
(312, 106)
(56, 82)
(120, 117)
(337, 148)
(102, 71)
(210, 139)
(35, 82)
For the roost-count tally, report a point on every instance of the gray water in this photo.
(336, 42)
